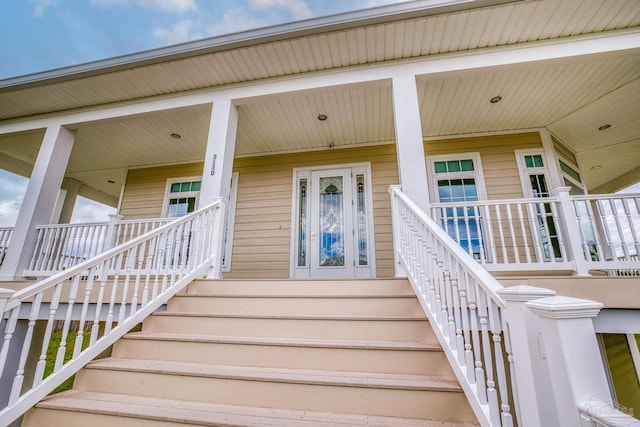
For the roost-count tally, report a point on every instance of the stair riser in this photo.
(285, 287)
(297, 306)
(321, 358)
(450, 406)
(39, 417)
(409, 330)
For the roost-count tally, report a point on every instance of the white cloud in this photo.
(298, 8)
(173, 6)
(40, 6)
(181, 32)
(87, 210)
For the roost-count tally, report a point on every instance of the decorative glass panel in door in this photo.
(331, 238)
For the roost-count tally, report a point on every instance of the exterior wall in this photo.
(144, 190)
(262, 236)
(563, 151)
(502, 179)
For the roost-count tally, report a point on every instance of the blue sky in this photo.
(40, 35)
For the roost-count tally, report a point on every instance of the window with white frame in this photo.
(456, 180)
(181, 198)
(534, 177)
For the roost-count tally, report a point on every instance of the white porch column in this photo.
(73, 187)
(409, 145)
(570, 345)
(221, 145)
(535, 402)
(40, 199)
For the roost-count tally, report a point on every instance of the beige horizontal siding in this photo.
(262, 236)
(144, 189)
(564, 151)
(499, 166)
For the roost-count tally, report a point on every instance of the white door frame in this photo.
(304, 271)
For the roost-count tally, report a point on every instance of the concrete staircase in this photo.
(271, 353)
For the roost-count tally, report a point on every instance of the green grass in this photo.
(52, 351)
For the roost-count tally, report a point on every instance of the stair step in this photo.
(300, 287)
(381, 394)
(340, 355)
(297, 305)
(380, 328)
(89, 408)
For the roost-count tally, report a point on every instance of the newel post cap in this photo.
(561, 307)
(524, 293)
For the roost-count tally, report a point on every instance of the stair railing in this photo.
(94, 303)
(459, 298)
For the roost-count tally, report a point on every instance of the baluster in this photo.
(54, 239)
(630, 226)
(468, 231)
(138, 257)
(457, 315)
(37, 250)
(479, 378)
(514, 242)
(62, 349)
(535, 231)
(496, 332)
(26, 346)
(492, 240)
(478, 217)
(586, 250)
(449, 295)
(42, 360)
(125, 289)
(512, 370)
(95, 328)
(148, 271)
(556, 222)
(503, 246)
(88, 287)
(9, 330)
(114, 292)
(527, 249)
(492, 395)
(466, 327)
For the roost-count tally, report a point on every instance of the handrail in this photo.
(467, 315)
(114, 291)
(597, 413)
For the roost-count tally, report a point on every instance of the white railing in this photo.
(61, 246)
(459, 297)
(5, 236)
(106, 295)
(596, 413)
(506, 234)
(610, 231)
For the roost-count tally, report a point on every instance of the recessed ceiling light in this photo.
(110, 181)
(322, 117)
(495, 99)
(176, 135)
(603, 127)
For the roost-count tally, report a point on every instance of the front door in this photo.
(333, 224)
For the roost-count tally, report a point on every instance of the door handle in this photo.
(313, 236)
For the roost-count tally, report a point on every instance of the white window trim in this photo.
(298, 173)
(524, 171)
(231, 221)
(167, 192)
(477, 173)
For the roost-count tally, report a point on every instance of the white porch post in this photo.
(40, 199)
(571, 228)
(573, 356)
(73, 187)
(535, 402)
(409, 145)
(218, 165)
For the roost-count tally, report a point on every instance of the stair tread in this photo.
(209, 414)
(293, 316)
(302, 376)
(293, 342)
(201, 294)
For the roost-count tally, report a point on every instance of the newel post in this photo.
(395, 224)
(569, 343)
(571, 227)
(111, 239)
